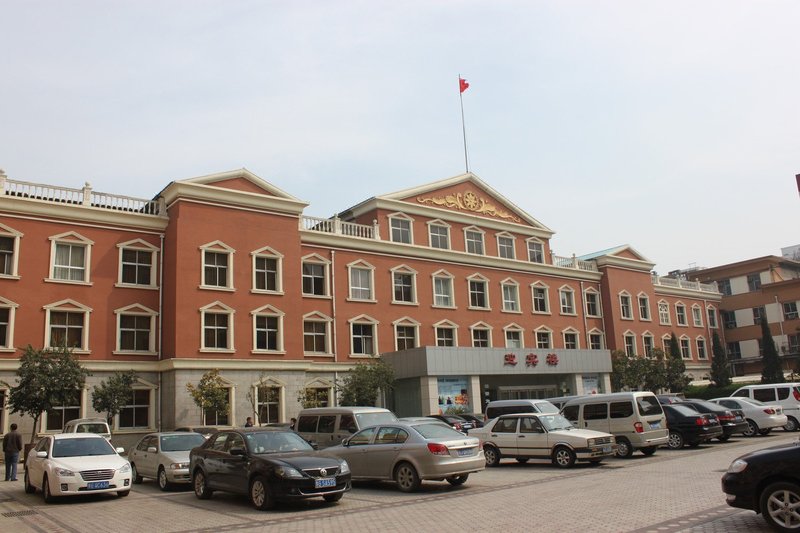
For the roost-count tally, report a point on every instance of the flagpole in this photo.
(463, 127)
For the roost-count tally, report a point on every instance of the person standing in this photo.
(12, 445)
(249, 422)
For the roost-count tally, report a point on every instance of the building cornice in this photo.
(623, 262)
(178, 190)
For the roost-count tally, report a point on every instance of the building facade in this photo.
(451, 282)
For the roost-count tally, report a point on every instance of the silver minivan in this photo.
(787, 395)
(328, 426)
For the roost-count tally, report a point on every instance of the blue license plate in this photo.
(324, 482)
(655, 425)
(465, 451)
(607, 448)
(96, 485)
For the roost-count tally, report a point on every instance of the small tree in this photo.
(363, 383)
(619, 370)
(210, 394)
(720, 371)
(676, 379)
(113, 393)
(771, 371)
(655, 373)
(45, 379)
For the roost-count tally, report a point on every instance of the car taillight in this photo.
(769, 411)
(701, 421)
(438, 449)
(796, 394)
(457, 426)
(638, 427)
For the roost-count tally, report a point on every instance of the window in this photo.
(571, 340)
(663, 313)
(505, 247)
(595, 341)
(218, 418)
(630, 344)
(510, 296)
(9, 251)
(217, 266)
(790, 310)
(474, 240)
(567, 297)
(753, 282)
(724, 286)
(439, 234)
(136, 329)
(697, 316)
(361, 281)
(315, 276)
(400, 229)
(543, 339)
(315, 334)
(362, 336)
(592, 303)
(137, 263)
(217, 327)
(680, 314)
(267, 329)
(794, 343)
(268, 404)
(405, 336)
(481, 337)
(711, 313)
(58, 416)
(535, 252)
(728, 319)
(647, 344)
(7, 312)
(403, 286)
(701, 349)
(67, 328)
(644, 307)
(478, 297)
(758, 315)
(686, 350)
(734, 350)
(443, 290)
(136, 414)
(445, 334)
(540, 304)
(625, 306)
(267, 267)
(70, 257)
(513, 337)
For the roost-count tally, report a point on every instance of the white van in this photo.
(787, 395)
(510, 407)
(88, 425)
(328, 426)
(634, 418)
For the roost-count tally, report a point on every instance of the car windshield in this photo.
(437, 431)
(547, 407)
(82, 447)
(366, 420)
(555, 422)
(648, 405)
(91, 428)
(684, 410)
(181, 443)
(276, 442)
(752, 402)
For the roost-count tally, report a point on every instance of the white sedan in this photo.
(761, 417)
(68, 464)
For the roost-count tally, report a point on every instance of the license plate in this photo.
(607, 448)
(324, 482)
(95, 485)
(655, 425)
(738, 418)
(465, 451)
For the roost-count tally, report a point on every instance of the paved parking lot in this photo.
(670, 492)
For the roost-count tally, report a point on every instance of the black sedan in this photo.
(767, 482)
(731, 420)
(687, 426)
(267, 464)
(455, 422)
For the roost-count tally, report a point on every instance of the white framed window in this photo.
(216, 328)
(647, 344)
(478, 289)
(136, 330)
(473, 237)
(400, 228)
(592, 299)
(54, 420)
(439, 234)
(139, 412)
(596, 339)
(570, 337)
(316, 334)
(8, 310)
(443, 290)
(686, 347)
(318, 393)
(535, 250)
(697, 316)
(481, 333)
(363, 336)
(267, 329)
(406, 333)
(505, 246)
(629, 338)
(790, 310)
(663, 313)
(541, 298)
(711, 313)
(510, 290)
(315, 273)
(217, 266)
(67, 324)
(9, 252)
(514, 336)
(70, 258)
(680, 314)
(446, 333)
(665, 343)
(269, 396)
(404, 285)
(626, 312)
(267, 270)
(223, 418)
(362, 280)
(701, 348)
(137, 264)
(544, 338)
(644, 307)
(567, 298)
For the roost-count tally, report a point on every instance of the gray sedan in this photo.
(409, 452)
(164, 457)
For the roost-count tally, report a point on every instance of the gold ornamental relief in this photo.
(468, 201)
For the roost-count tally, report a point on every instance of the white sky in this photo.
(670, 126)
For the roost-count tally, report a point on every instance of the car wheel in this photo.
(779, 502)
(135, 474)
(764, 431)
(492, 455)
(200, 485)
(333, 498)
(624, 448)
(406, 477)
(563, 457)
(791, 424)
(29, 489)
(724, 438)
(163, 482)
(752, 429)
(675, 440)
(123, 493)
(48, 496)
(649, 450)
(458, 480)
(260, 496)
(522, 460)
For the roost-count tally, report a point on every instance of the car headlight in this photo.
(591, 442)
(125, 468)
(178, 466)
(344, 468)
(63, 472)
(287, 472)
(737, 466)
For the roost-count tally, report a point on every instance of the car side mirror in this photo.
(151, 449)
(120, 450)
(238, 451)
(345, 442)
(314, 445)
(41, 455)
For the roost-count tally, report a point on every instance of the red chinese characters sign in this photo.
(531, 359)
(552, 359)
(510, 359)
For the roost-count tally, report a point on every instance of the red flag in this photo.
(462, 84)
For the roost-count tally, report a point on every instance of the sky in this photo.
(673, 127)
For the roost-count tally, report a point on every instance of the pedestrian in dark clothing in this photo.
(249, 422)
(12, 445)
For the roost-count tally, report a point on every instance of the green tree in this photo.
(655, 373)
(46, 379)
(771, 371)
(675, 368)
(362, 384)
(113, 393)
(210, 394)
(619, 370)
(720, 371)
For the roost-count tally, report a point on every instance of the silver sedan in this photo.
(164, 457)
(410, 452)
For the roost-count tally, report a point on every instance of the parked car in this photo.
(477, 420)
(542, 436)
(767, 482)
(455, 422)
(328, 426)
(68, 464)
(205, 431)
(164, 457)
(88, 425)
(687, 426)
(787, 395)
(267, 464)
(761, 418)
(423, 420)
(410, 452)
(506, 407)
(731, 420)
(667, 399)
